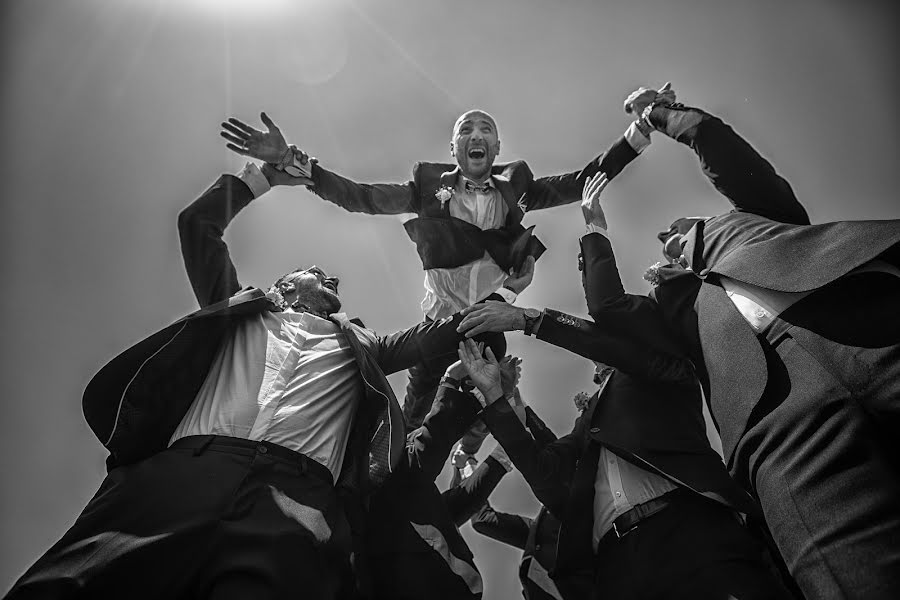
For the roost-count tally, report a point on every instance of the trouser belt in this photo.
(627, 522)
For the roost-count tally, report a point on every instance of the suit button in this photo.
(595, 430)
(262, 449)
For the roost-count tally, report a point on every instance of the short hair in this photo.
(682, 226)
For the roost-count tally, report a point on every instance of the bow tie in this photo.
(471, 186)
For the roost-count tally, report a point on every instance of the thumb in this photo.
(666, 87)
(268, 122)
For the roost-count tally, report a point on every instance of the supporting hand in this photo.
(590, 200)
(518, 281)
(510, 373)
(483, 370)
(491, 315)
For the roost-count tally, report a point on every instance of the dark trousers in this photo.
(821, 445)
(693, 549)
(416, 576)
(210, 517)
(426, 375)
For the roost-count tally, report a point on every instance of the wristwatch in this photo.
(532, 315)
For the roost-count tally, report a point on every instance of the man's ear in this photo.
(452, 149)
(498, 147)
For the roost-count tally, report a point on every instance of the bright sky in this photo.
(110, 112)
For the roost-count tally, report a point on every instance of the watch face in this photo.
(532, 313)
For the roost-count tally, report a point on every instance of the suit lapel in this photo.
(449, 179)
(734, 361)
(514, 213)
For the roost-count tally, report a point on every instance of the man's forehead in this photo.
(474, 116)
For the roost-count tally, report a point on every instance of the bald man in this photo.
(468, 226)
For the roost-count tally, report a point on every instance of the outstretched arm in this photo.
(270, 146)
(465, 499)
(733, 166)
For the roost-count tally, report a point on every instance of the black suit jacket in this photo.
(443, 241)
(692, 307)
(134, 403)
(656, 425)
(766, 240)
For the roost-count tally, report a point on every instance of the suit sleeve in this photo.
(623, 350)
(503, 527)
(638, 317)
(200, 228)
(549, 470)
(556, 190)
(428, 447)
(372, 199)
(542, 434)
(464, 500)
(742, 175)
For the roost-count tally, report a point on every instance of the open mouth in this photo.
(330, 285)
(477, 153)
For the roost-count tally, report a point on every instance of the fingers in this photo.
(231, 138)
(489, 355)
(666, 87)
(269, 123)
(238, 149)
(240, 126)
(236, 132)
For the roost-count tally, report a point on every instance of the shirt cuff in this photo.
(593, 228)
(637, 140)
(507, 294)
(255, 180)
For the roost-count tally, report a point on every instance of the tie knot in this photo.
(471, 186)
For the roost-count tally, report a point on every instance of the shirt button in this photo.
(262, 449)
(760, 312)
(618, 494)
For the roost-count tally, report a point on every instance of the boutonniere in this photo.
(444, 194)
(275, 296)
(582, 399)
(651, 275)
(521, 204)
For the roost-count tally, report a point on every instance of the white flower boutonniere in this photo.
(521, 204)
(582, 399)
(444, 194)
(651, 275)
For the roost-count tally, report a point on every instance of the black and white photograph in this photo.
(450, 300)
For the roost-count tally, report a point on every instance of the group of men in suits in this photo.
(257, 449)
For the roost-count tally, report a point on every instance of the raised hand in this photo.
(269, 146)
(590, 200)
(491, 315)
(518, 281)
(483, 370)
(510, 373)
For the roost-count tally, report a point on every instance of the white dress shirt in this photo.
(287, 378)
(620, 486)
(447, 291)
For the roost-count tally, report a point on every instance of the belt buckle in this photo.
(621, 534)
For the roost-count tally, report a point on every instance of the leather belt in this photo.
(628, 522)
